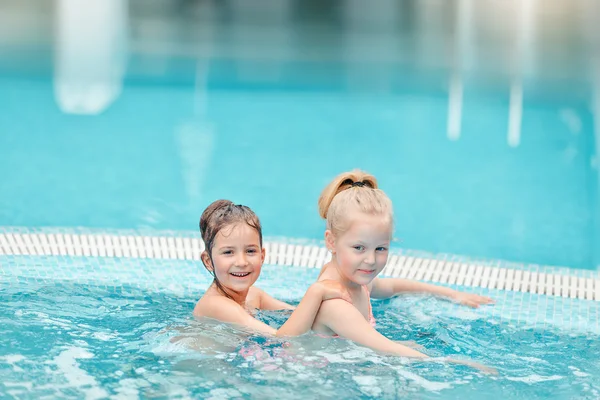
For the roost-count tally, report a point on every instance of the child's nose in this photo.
(242, 260)
(370, 259)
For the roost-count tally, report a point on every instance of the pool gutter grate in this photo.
(563, 282)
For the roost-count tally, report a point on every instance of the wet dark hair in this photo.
(219, 215)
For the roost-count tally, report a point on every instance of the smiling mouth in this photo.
(366, 271)
(240, 274)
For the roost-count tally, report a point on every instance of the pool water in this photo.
(62, 339)
(198, 111)
(150, 161)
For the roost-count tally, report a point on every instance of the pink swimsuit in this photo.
(371, 317)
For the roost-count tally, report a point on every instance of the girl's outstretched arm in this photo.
(383, 288)
(268, 302)
(345, 320)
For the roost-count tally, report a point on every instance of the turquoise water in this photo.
(204, 113)
(66, 340)
(165, 149)
(264, 103)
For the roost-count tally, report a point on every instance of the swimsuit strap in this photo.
(371, 317)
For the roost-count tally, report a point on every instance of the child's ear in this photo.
(330, 240)
(263, 254)
(206, 260)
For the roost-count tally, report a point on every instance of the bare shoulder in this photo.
(214, 306)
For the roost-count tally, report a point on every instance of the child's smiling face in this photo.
(361, 251)
(237, 257)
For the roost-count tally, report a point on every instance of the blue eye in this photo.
(359, 248)
(381, 249)
(251, 251)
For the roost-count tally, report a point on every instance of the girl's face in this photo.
(361, 252)
(236, 257)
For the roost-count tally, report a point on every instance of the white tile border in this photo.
(563, 282)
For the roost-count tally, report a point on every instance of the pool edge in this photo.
(402, 263)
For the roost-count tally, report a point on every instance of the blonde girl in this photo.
(358, 234)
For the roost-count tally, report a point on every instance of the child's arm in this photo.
(227, 310)
(383, 288)
(345, 320)
(301, 320)
(269, 303)
(304, 315)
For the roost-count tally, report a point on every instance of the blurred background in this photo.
(478, 117)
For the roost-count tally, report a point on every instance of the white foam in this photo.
(535, 378)
(26, 385)
(580, 374)
(577, 372)
(103, 336)
(368, 385)
(424, 383)
(128, 389)
(222, 393)
(349, 357)
(534, 359)
(12, 359)
(76, 377)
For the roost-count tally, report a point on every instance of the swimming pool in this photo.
(90, 327)
(100, 314)
(99, 266)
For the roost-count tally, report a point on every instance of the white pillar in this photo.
(523, 63)
(462, 60)
(90, 54)
(455, 102)
(515, 114)
(195, 136)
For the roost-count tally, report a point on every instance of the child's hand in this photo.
(412, 344)
(334, 290)
(471, 299)
(476, 365)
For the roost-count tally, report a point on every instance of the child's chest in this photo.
(362, 302)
